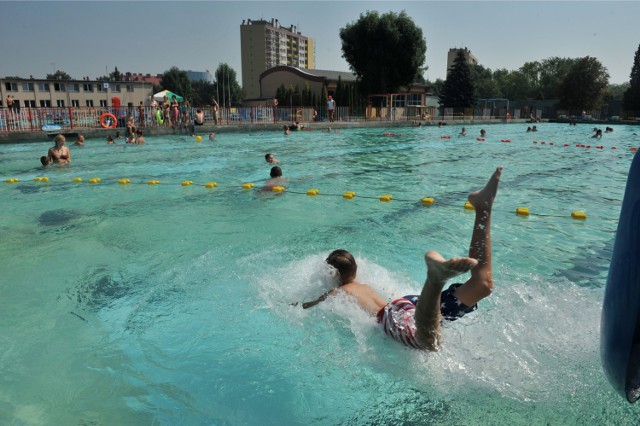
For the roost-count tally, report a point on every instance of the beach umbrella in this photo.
(169, 94)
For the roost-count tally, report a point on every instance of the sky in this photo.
(91, 38)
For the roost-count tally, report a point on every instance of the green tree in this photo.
(306, 95)
(584, 85)
(228, 89)
(486, 86)
(176, 80)
(384, 51)
(458, 90)
(58, 75)
(553, 71)
(631, 101)
(436, 86)
(281, 95)
(515, 86)
(202, 92)
(615, 92)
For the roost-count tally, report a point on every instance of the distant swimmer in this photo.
(269, 158)
(463, 132)
(80, 141)
(483, 133)
(415, 321)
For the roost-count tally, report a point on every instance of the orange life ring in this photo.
(108, 121)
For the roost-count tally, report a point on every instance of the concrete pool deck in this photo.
(99, 133)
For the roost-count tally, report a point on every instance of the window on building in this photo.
(43, 87)
(101, 88)
(59, 87)
(87, 87)
(11, 87)
(115, 88)
(75, 103)
(60, 103)
(103, 103)
(73, 87)
(89, 102)
(30, 104)
(45, 103)
(28, 87)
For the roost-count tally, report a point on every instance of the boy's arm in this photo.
(307, 305)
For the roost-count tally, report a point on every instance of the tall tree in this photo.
(584, 85)
(177, 81)
(202, 92)
(228, 90)
(281, 95)
(458, 90)
(58, 75)
(486, 86)
(384, 51)
(516, 86)
(553, 71)
(631, 100)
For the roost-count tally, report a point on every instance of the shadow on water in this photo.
(101, 288)
(407, 407)
(58, 217)
(589, 271)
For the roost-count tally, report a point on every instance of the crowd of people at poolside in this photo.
(177, 114)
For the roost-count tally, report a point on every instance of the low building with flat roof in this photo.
(37, 93)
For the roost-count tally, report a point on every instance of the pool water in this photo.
(167, 304)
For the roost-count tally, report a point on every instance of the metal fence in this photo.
(77, 118)
(70, 118)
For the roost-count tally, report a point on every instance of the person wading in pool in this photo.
(415, 320)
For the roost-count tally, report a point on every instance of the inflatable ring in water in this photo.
(108, 120)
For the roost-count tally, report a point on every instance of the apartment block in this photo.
(453, 53)
(267, 44)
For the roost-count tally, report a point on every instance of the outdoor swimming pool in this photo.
(169, 304)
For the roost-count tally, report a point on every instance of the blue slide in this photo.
(620, 322)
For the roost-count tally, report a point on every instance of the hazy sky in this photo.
(89, 38)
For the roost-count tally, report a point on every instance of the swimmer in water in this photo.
(276, 179)
(415, 320)
(59, 153)
(269, 158)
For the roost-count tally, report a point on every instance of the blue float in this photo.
(620, 322)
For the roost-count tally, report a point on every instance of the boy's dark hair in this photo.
(45, 160)
(266, 156)
(276, 172)
(345, 263)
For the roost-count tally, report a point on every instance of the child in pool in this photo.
(415, 320)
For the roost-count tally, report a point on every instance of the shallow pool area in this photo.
(137, 303)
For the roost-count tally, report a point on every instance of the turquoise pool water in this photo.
(169, 304)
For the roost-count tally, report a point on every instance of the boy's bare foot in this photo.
(484, 197)
(439, 269)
